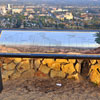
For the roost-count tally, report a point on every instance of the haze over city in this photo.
(56, 2)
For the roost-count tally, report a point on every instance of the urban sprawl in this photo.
(49, 17)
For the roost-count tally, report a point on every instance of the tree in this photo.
(98, 37)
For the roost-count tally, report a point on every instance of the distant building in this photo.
(61, 17)
(31, 10)
(68, 16)
(30, 17)
(16, 11)
(3, 10)
(44, 14)
(9, 7)
(25, 13)
(17, 6)
(59, 10)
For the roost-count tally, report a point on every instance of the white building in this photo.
(9, 7)
(16, 11)
(3, 10)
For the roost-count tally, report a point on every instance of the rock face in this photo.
(13, 68)
(95, 73)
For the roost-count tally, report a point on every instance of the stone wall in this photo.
(13, 68)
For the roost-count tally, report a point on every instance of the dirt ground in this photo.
(46, 89)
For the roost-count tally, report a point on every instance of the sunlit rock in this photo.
(94, 73)
(37, 64)
(17, 60)
(78, 67)
(55, 66)
(72, 60)
(44, 69)
(10, 66)
(6, 75)
(68, 68)
(48, 61)
(95, 77)
(62, 61)
(23, 67)
(98, 61)
(93, 62)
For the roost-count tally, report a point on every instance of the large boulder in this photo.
(55, 66)
(23, 66)
(28, 74)
(95, 77)
(59, 74)
(94, 74)
(44, 69)
(49, 62)
(68, 68)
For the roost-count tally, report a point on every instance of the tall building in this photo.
(9, 7)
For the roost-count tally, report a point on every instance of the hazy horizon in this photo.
(57, 2)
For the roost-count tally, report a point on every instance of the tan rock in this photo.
(78, 67)
(44, 69)
(0, 64)
(72, 60)
(94, 67)
(10, 66)
(25, 59)
(76, 76)
(62, 61)
(41, 74)
(23, 67)
(94, 74)
(98, 61)
(68, 68)
(95, 77)
(93, 62)
(6, 75)
(28, 74)
(7, 60)
(37, 64)
(16, 75)
(17, 60)
(55, 66)
(54, 74)
(48, 61)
